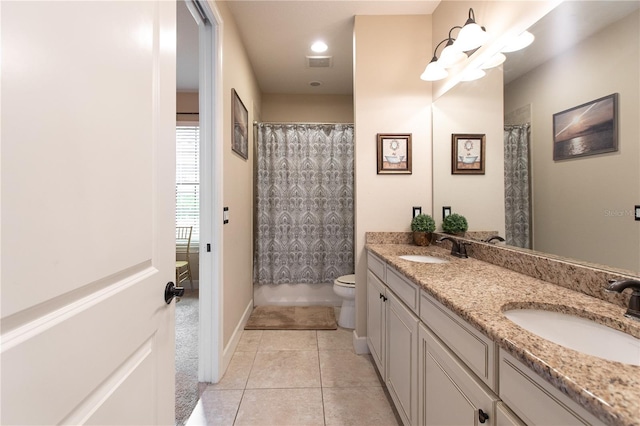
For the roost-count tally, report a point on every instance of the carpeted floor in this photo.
(292, 318)
(186, 355)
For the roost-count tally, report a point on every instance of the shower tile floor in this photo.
(296, 378)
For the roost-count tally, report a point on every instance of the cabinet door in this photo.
(402, 355)
(376, 320)
(452, 395)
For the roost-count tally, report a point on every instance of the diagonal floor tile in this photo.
(288, 340)
(249, 341)
(331, 340)
(281, 407)
(285, 369)
(346, 369)
(216, 407)
(364, 406)
(237, 372)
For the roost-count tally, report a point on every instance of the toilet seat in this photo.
(346, 281)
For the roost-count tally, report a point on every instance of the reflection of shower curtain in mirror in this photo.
(304, 200)
(516, 186)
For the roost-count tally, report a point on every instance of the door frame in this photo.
(210, 29)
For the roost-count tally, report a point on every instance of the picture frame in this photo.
(240, 126)
(587, 129)
(394, 153)
(467, 154)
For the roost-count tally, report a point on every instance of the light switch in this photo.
(637, 212)
(225, 215)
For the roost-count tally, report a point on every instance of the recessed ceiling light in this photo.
(319, 47)
(315, 83)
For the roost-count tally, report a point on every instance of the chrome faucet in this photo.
(495, 237)
(634, 303)
(458, 249)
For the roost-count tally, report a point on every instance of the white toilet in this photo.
(345, 287)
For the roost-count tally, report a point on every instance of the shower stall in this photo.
(304, 221)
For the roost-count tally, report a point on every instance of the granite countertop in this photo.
(479, 292)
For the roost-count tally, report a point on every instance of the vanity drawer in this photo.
(475, 349)
(376, 266)
(534, 400)
(406, 291)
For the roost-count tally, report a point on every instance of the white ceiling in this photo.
(278, 34)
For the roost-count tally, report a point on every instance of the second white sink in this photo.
(423, 259)
(579, 334)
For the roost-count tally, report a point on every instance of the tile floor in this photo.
(296, 378)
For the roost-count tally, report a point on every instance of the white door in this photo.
(88, 171)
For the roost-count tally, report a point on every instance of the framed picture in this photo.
(394, 153)
(467, 154)
(240, 120)
(586, 129)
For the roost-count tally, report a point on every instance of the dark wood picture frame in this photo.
(467, 154)
(587, 129)
(240, 126)
(394, 153)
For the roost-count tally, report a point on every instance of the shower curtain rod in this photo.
(256, 123)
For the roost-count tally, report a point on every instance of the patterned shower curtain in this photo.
(517, 186)
(305, 220)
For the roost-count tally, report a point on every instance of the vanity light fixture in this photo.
(494, 61)
(472, 35)
(520, 42)
(472, 74)
(319, 46)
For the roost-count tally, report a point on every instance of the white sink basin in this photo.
(579, 334)
(423, 259)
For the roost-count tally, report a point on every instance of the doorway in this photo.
(202, 26)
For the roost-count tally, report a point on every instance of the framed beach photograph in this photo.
(587, 129)
(240, 117)
(394, 153)
(467, 154)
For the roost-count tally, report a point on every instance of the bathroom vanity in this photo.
(448, 354)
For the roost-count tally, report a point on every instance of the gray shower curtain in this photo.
(304, 203)
(517, 186)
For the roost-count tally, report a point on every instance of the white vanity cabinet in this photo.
(402, 360)
(376, 320)
(534, 400)
(450, 394)
(457, 376)
(392, 335)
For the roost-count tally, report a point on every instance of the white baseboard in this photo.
(360, 344)
(230, 349)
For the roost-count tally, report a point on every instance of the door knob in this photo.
(171, 291)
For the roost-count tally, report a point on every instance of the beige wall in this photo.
(389, 97)
(307, 108)
(571, 198)
(238, 174)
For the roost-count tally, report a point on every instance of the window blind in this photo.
(188, 179)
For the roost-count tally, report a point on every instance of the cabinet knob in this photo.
(482, 416)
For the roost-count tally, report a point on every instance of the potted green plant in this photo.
(455, 224)
(422, 226)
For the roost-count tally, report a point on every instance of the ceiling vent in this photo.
(319, 61)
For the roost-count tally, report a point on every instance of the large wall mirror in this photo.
(581, 207)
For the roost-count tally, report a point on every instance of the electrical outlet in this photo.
(225, 215)
(637, 210)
